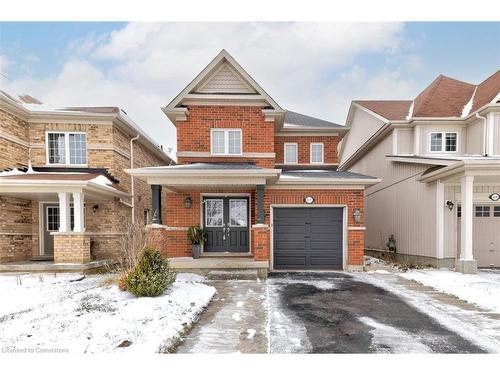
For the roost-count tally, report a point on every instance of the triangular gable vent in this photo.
(225, 80)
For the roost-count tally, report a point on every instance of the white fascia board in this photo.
(324, 181)
(52, 186)
(174, 172)
(369, 111)
(413, 160)
(223, 55)
(467, 167)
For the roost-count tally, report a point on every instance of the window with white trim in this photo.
(66, 148)
(226, 142)
(443, 142)
(291, 153)
(482, 211)
(317, 153)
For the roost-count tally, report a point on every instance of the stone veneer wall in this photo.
(71, 248)
(107, 147)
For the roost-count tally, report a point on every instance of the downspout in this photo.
(132, 185)
(485, 130)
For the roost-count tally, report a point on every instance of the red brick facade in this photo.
(193, 135)
(330, 144)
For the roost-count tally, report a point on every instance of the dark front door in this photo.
(50, 224)
(308, 238)
(226, 222)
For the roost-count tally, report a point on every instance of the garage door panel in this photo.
(326, 261)
(308, 238)
(289, 261)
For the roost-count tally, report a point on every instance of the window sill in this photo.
(66, 165)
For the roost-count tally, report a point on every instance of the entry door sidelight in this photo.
(226, 221)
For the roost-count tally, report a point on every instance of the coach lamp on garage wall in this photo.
(357, 215)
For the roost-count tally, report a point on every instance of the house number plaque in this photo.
(309, 199)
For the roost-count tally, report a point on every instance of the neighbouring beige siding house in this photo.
(64, 195)
(439, 160)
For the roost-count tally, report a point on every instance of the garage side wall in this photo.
(351, 198)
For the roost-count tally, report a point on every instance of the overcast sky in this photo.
(312, 68)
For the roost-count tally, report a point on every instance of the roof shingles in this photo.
(444, 97)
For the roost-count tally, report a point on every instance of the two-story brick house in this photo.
(64, 195)
(439, 160)
(262, 181)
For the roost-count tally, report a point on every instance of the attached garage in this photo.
(308, 238)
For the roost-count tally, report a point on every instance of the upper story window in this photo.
(226, 142)
(66, 148)
(291, 153)
(443, 142)
(317, 153)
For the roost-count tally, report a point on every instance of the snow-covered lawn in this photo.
(483, 289)
(61, 313)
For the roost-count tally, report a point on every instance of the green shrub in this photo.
(151, 276)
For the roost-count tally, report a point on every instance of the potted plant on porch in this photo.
(197, 236)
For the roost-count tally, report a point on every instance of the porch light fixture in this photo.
(95, 207)
(450, 205)
(188, 202)
(357, 215)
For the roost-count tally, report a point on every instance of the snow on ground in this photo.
(370, 261)
(52, 312)
(387, 339)
(472, 325)
(482, 289)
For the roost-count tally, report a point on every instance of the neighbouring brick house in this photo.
(261, 180)
(64, 194)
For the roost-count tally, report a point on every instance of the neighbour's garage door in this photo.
(308, 238)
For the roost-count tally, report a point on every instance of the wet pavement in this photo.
(335, 312)
(234, 322)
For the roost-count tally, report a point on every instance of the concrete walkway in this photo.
(234, 322)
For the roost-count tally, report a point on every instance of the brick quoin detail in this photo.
(304, 146)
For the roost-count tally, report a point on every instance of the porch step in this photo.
(233, 275)
(204, 266)
(42, 258)
(226, 255)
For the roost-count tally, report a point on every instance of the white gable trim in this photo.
(221, 58)
(246, 88)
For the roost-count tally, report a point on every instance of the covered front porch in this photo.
(468, 213)
(46, 224)
(227, 200)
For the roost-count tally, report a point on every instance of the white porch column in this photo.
(439, 220)
(78, 204)
(466, 263)
(64, 212)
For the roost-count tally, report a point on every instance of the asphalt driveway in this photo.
(334, 313)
